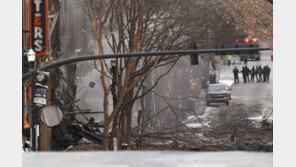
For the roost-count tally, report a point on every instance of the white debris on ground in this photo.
(226, 82)
(195, 122)
(147, 158)
(203, 120)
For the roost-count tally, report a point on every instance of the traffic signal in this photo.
(193, 57)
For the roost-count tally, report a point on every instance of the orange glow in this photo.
(255, 40)
(247, 40)
(265, 31)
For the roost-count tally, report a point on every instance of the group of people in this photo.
(261, 74)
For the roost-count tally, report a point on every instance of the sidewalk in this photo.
(147, 159)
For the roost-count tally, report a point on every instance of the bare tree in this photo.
(149, 25)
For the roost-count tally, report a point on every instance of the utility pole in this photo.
(33, 109)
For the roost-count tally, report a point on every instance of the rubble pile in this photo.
(229, 129)
(76, 135)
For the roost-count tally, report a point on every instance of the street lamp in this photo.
(31, 55)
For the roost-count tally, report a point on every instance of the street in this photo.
(251, 103)
(249, 93)
(249, 108)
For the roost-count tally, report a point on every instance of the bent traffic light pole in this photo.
(127, 55)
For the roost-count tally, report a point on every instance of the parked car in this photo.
(218, 93)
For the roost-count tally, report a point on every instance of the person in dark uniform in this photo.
(256, 73)
(264, 74)
(260, 72)
(252, 74)
(235, 73)
(248, 71)
(267, 73)
(243, 71)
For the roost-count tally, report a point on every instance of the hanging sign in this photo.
(41, 88)
(38, 26)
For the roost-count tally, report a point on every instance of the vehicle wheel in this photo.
(227, 103)
(208, 104)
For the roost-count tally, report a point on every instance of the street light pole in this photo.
(33, 129)
(31, 59)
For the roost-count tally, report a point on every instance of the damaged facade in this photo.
(61, 85)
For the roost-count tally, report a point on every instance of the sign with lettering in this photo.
(41, 88)
(38, 26)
